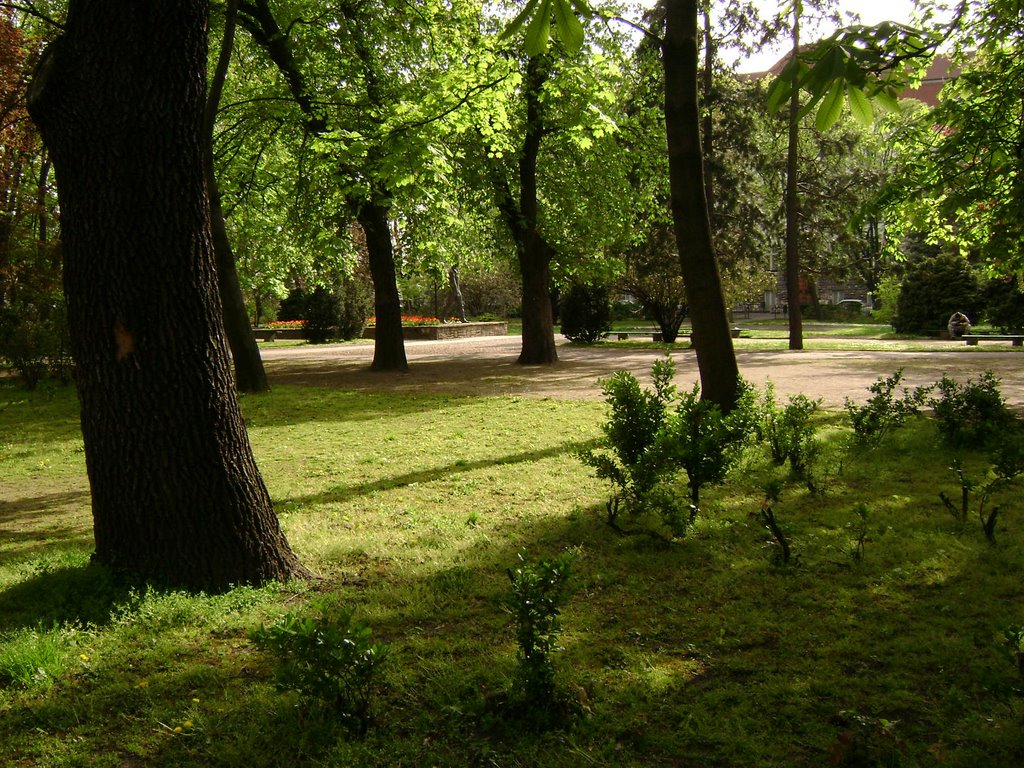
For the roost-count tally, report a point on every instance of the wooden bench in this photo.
(264, 334)
(972, 339)
(627, 333)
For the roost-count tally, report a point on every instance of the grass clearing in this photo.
(411, 508)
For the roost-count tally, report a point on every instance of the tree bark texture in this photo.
(250, 375)
(389, 343)
(796, 327)
(176, 494)
(712, 340)
(534, 253)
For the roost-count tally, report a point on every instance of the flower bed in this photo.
(446, 331)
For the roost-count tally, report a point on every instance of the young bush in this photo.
(586, 313)
(1007, 465)
(630, 459)
(334, 662)
(699, 439)
(884, 411)
(781, 553)
(652, 435)
(788, 431)
(539, 591)
(971, 414)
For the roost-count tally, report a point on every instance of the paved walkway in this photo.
(487, 366)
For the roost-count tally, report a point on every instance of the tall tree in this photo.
(176, 494)
(716, 359)
(249, 373)
(792, 200)
(521, 215)
(557, 172)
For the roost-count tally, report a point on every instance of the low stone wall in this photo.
(447, 331)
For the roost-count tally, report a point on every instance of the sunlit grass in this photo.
(410, 508)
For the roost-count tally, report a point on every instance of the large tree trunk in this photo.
(249, 373)
(796, 326)
(712, 340)
(176, 495)
(388, 342)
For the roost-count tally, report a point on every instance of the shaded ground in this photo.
(487, 366)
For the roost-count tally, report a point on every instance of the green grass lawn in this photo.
(695, 652)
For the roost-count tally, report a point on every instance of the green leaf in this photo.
(539, 30)
(887, 100)
(569, 27)
(519, 20)
(831, 108)
(860, 105)
(778, 94)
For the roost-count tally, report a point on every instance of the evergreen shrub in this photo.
(586, 312)
(933, 289)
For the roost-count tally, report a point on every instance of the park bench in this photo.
(972, 339)
(264, 334)
(626, 333)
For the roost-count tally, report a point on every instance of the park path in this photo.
(487, 366)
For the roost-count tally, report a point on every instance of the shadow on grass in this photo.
(69, 595)
(36, 509)
(341, 493)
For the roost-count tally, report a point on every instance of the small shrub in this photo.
(630, 459)
(323, 314)
(867, 741)
(860, 532)
(539, 591)
(1007, 465)
(652, 435)
(586, 313)
(699, 439)
(782, 553)
(789, 431)
(334, 662)
(884, 411)
(971, 414)
(1013, 636)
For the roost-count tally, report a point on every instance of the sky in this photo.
(871, 12)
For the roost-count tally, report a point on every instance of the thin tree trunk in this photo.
(534, 253)
(707, 119)
(712, 340)
(42, 231)
(176, 494)
(249, 373)
(796, 329)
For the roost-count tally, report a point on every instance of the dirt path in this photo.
(487, 366)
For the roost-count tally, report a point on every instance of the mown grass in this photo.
(697, 652)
